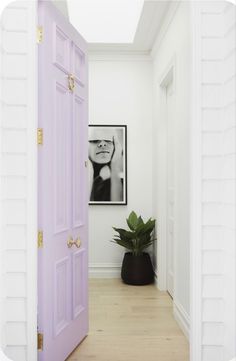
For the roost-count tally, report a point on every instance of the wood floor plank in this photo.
(130, 323)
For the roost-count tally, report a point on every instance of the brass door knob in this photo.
(71, 242)
(78, 242)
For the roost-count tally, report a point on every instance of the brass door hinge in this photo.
(40, 136)
(39, 35)
(40, 239)
(40, 341)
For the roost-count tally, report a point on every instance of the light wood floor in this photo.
(130, 323)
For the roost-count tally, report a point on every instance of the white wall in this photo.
(121, 93)
(18, 181)
(173, 46)
(213, 212)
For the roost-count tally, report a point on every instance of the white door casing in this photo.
(170, 199)
(167, 201)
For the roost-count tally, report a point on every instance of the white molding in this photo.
(161, 207)
(116, 49)
(2, 288)
(32, 186)
(166, 24)
(119, 56)
(167, 75)
(104, 270)
(182, 318)
(196, 189)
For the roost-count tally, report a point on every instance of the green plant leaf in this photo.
(139, 235)
(130, 225)
(146, 227)
(124, 234)
(145, 246)
(133, 220)
(140, 221)
(124, 244)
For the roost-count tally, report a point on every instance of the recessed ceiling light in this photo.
(106, 21)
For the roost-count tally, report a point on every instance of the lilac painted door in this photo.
(62, 261)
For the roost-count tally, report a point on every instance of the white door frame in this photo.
(167, 76)
(195, 190)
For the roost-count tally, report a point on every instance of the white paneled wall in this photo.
(229, 176)
(216, 68)
(212, 257)
(18, 179)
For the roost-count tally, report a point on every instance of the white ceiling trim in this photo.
(166, 23)
(121, 56)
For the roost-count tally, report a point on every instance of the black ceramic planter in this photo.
(137, 270)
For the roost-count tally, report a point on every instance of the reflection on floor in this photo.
(131, 323)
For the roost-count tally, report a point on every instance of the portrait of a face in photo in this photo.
(107, 164)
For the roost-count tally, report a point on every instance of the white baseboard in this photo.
(104, 270)
(182, 318)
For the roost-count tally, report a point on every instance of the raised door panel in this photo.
(78, 277)
(79, 65)
(61, 49)
(78, 163)
(62, 274)
(61, 157)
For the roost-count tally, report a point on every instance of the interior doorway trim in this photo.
(166, 77)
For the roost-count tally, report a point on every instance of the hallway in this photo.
(172, 86)
(130, 323)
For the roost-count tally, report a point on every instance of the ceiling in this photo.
(149, 25)
(106, 21)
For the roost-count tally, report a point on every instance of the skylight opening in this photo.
(106, 21)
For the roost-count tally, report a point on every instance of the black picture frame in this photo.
(108, 167)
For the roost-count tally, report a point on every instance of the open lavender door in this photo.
(62, 184)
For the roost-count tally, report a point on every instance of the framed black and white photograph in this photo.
(108, 164)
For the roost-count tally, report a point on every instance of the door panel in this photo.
(61, 49)
(61, 154)
(61, 298)
(78, 196)
(79, 64)
(63, 200)
(78, 276)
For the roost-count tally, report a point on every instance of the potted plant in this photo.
(136, 266)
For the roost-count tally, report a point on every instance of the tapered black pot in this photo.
(137, 270)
